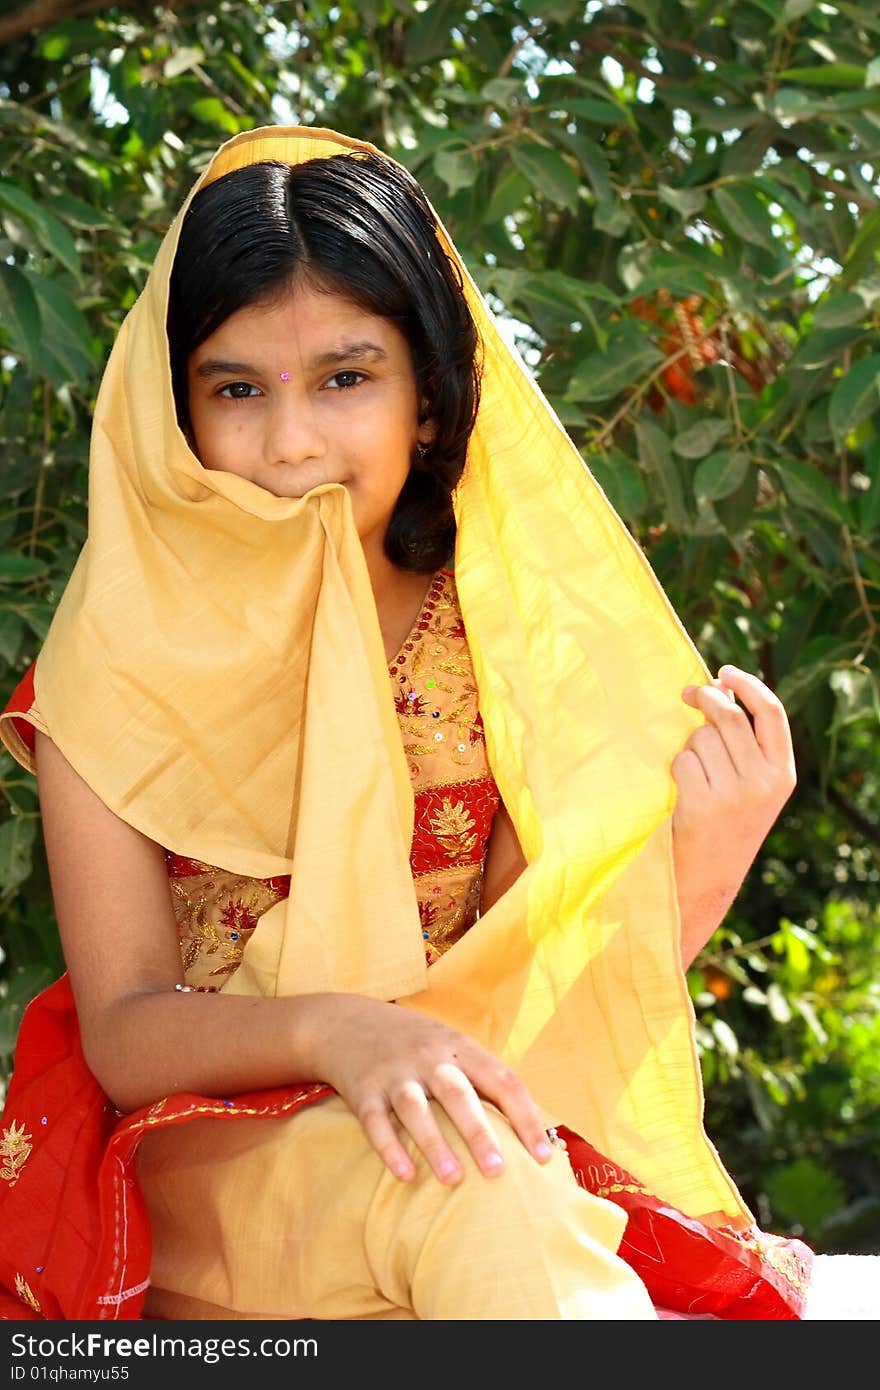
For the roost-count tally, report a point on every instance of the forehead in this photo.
(312, 318)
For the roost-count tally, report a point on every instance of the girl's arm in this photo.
(144, 1040)
(733, 778)
(734, 775)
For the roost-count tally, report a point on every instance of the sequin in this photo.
(44, 1120)
(438, 738)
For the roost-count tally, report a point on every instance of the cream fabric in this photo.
(319, 1228)
(182, 674)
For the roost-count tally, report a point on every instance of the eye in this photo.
(238, 391)
(344, 381)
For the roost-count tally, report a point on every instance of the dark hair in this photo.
(360, 226)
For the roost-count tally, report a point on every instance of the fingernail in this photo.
(543, 1150)
(402, 1171)
(492, 1162)
(447, 1169)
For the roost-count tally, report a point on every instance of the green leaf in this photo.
(744, 211)
(457, 168)
(510, 192)
(720, 474)
(604, 113)
(826, 75)
(66, 332)
(821, 346)
(19, 313)
(16, 568)
(549, 172)
(17, 837)
(11, 634)
(608, 217)
(621, 481)
(797, 685)
(429, 35)
(211, 111)
(868, 502)
(807, 487)
(78, 212)
(806, 1192)
(856, 695)
(686, 201)
(38, 616)
(181, 60)
(656, 458)
(503, 91)
(840, 310)
(861, 258)
(601, 376)
(736, 512)
(855, 397)
(700, 439)
(50, 231)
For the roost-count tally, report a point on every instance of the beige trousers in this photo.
(299, 1218)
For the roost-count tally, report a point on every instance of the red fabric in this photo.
(691, 1268)
(20, 702)
(75, 1241)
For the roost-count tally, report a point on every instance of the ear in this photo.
(427, 431)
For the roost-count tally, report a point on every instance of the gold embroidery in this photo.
(15, 1146)
(26, 1294)
(774, 1250)
(453, 827)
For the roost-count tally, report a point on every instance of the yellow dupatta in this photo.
(201, 672)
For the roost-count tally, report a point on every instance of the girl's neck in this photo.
(399, 595)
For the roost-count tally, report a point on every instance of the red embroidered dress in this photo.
(74, 1230)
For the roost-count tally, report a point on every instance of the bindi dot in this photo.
(285, 376)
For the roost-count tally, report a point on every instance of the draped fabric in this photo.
(243, 748)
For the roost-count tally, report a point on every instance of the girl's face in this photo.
(309, 389)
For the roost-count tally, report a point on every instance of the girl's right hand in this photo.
(388, 1062)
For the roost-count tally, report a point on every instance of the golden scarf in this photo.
(215, 672)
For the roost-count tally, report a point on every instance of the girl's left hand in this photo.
(733, 775)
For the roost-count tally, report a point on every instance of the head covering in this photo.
(215, 672)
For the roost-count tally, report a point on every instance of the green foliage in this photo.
(675, 204)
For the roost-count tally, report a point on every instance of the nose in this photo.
(294, 434)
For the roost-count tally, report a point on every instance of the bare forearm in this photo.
(700, 913)
(154, 1044)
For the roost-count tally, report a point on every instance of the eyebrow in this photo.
(346, 352)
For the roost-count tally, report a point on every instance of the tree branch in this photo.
(42, 14)
(852, 813)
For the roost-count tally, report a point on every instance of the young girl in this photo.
(438, 840)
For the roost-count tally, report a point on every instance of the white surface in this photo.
(845, 1288)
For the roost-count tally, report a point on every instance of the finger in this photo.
(412, 1108)
(501, 1085)
(379, 1129)
(725, 689)
(729, 723)
(772, 730)
(452, 1089)
(690, 776)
